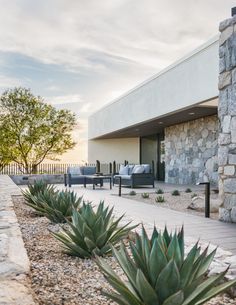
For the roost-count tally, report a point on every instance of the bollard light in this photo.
(207, 198)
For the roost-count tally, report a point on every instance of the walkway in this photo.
(208, 230)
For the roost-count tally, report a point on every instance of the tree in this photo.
(32, 130)
(4, 155)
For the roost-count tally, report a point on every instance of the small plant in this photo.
(132, 193)
(175, 193)
(193, 195)
(56, 206)
(160, 199)
(92, 232)
(159, 273)
(159, 191)
(38, 187)
(188, 190)
(145, 195)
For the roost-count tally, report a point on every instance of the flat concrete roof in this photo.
(170, 94)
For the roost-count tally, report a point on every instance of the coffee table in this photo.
(97, 180)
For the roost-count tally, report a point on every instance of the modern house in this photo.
(170, 119)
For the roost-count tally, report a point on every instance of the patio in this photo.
(208, 230)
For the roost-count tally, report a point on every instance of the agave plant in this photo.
(92, 232)
(158, 273)
(38, 187)
(56, 206)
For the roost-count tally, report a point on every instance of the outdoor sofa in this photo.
(76, 175)
(134, 175)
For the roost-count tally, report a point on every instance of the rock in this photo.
(233, 215)
(224, 79)
(14, 293)
(224, 215)
(198, 204)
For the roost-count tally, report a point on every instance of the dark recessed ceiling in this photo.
(158, 125)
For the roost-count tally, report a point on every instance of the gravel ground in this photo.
(58, 279)
(178, 203)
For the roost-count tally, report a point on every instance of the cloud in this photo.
(64, 99)
(8, 82)
(93, 34)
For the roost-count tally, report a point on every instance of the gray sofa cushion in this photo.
(138, 169)
(74, 171)
(89, 170)
(147, 168)
(123, 176)
(124, 170)
(131, 166)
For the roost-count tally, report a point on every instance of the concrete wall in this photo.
(190, 81)
(30, 179)
(108, 150)
(191, 151)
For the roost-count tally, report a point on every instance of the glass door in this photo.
(152, 151)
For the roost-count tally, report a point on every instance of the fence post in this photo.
(114, 167)
(98, 167)
(110, 168)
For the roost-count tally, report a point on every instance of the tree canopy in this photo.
(31, 130)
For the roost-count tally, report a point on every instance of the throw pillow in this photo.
(124, 170)
(138, 169)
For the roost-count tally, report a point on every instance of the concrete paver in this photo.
(208, 230)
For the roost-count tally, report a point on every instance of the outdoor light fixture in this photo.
(160, 122)
(191, 113)
(207, 197)
(233, 11)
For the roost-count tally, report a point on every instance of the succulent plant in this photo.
(38, 187)
(159, 191)
(132, 193)
(158, 273)
(56, 206)
(92, 232)
(175, 193)
(160, 199)
(193, 195)
(188, 190)
(145, 195)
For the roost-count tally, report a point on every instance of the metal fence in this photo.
(56, 168)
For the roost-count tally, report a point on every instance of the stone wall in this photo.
(191, 151)
(227, 117)
(14, 262)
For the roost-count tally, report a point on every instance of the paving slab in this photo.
(208, 230)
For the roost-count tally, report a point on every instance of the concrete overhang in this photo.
(159, 124)
(176, 94)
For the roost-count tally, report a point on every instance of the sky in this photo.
(80, 55)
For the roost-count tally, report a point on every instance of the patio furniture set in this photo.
(128, 175)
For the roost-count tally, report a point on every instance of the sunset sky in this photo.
(81, 55)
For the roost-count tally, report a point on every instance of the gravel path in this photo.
(178, 203)
(58, 279)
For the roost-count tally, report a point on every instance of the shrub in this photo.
(159, 191)
(188, 190)
(145, 195)
(132, 193)
(158, 272)
(193, 195)
(160, 199)
(92, 232)
(38, 187)
(175, 193)
(56, 206)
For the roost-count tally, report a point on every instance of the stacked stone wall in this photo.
(227, 117)
(191, 151)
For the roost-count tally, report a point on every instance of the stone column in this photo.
(227, 118)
